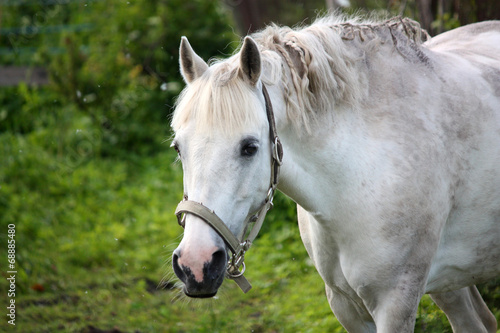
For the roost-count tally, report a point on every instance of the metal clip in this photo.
(181, 219)
(269, 200)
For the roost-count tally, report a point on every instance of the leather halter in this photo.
(239, 247)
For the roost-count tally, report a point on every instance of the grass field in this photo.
(94, 236)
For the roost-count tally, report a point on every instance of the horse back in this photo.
(486, 33)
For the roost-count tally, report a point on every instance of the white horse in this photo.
(391, 147)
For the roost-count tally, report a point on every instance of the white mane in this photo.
(316, 66)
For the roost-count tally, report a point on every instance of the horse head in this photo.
(225, 142)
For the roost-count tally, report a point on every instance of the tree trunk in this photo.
(425, 14)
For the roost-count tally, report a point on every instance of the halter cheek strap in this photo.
(239, 247)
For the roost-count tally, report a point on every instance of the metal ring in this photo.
(240, 273)
(278, 151)
(181, 220)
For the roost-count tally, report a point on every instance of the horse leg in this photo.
(397, 311)
(393, 301)
(466, 310)
(353, 317)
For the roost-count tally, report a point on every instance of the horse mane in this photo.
(321, 64)
(315, 64)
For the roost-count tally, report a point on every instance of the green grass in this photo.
(94, 237)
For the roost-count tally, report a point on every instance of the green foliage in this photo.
(129, 74)
(22, 109)
(121, 70)
(446, 22)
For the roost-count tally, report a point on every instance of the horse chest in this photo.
(327, 252)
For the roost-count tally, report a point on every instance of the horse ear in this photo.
(250, 66)
(192, 66)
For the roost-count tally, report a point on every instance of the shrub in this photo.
(117, 61)
(127, 75)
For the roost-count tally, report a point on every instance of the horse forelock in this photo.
(217, 102)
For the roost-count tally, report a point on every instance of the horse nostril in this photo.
(177, 269)
(218, 265)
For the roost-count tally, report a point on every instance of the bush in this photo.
(127, 75)
(118, 65)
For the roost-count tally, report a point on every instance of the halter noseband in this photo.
(239, 247)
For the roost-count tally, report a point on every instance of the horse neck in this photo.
(318, 162)
(309, 167)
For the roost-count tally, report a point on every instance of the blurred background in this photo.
(88, 179)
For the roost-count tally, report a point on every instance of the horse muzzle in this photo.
(201, 280)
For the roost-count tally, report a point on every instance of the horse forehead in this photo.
(219, 137)
(211, 146)
(205, 151)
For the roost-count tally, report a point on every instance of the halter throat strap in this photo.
(239, 247)
(277, 148)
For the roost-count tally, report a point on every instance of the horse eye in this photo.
(174, 145)
(249, 149)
